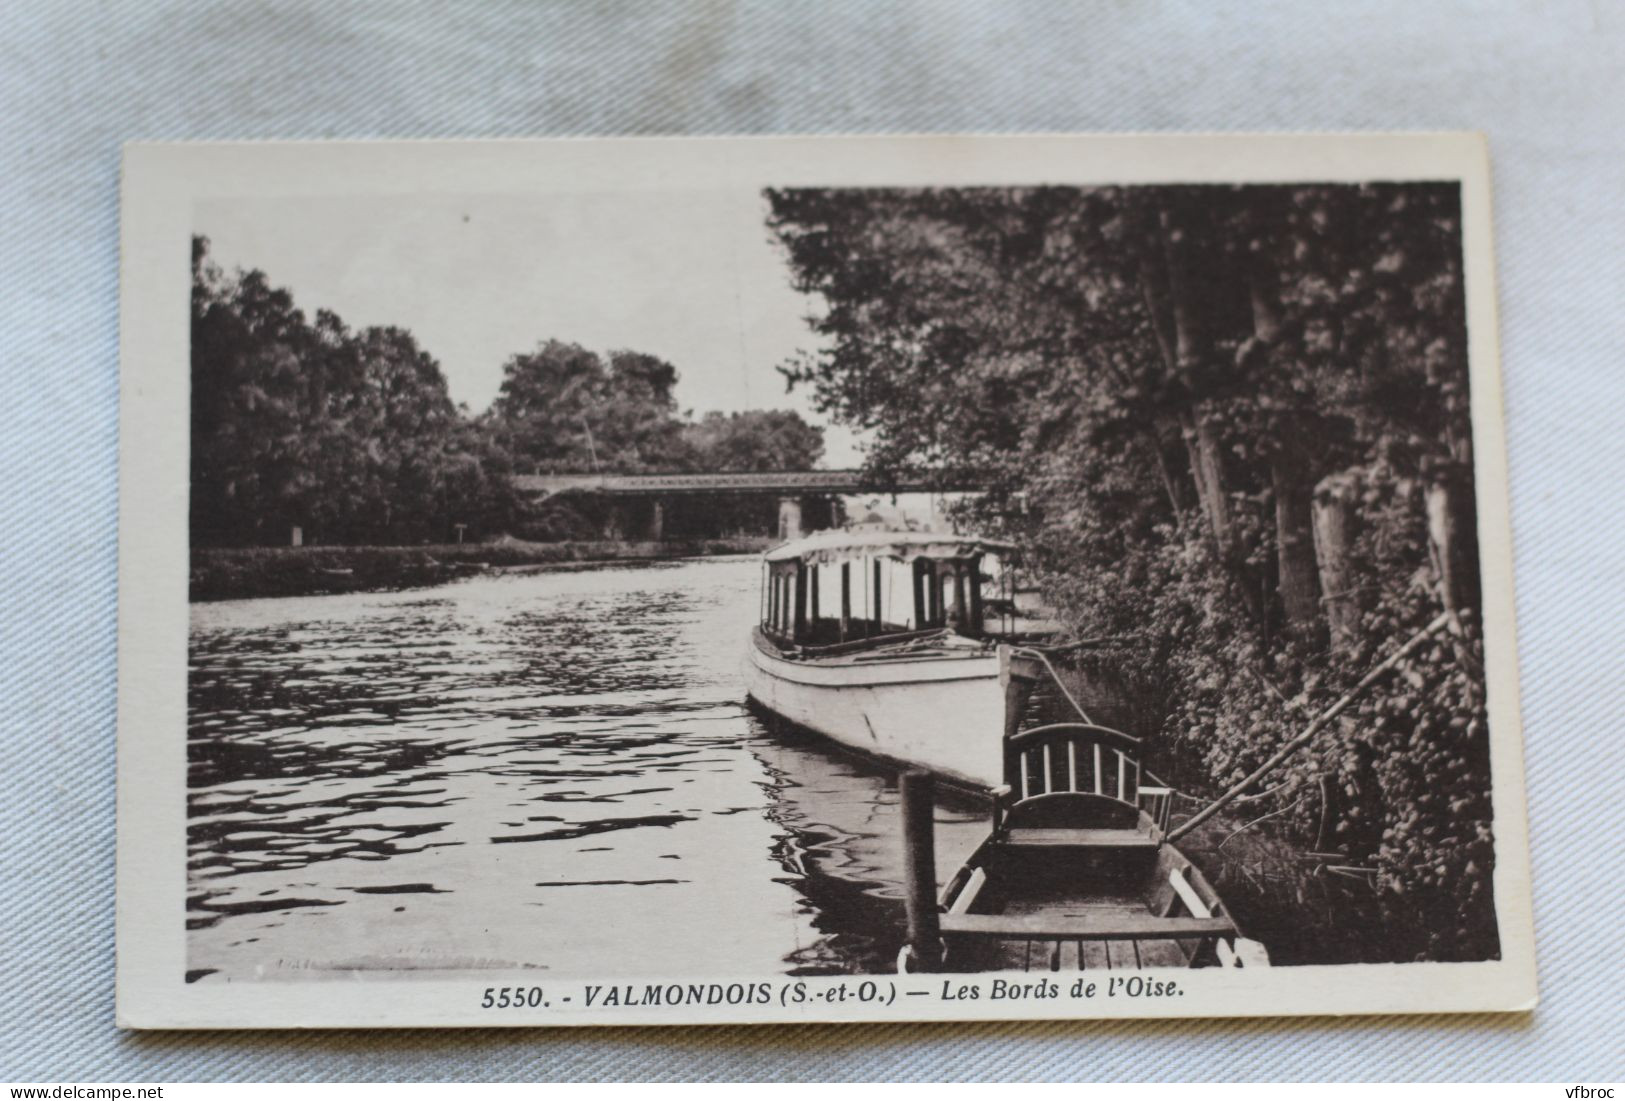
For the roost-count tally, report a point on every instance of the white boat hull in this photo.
(942, 713)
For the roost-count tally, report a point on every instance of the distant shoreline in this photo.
(242, 573)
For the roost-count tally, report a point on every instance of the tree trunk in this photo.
(1153, 440)
(1295, 548)
(1158, 287)
(1336, 524)
(1184, 341)
(1294, 541)
(1191, 359)
(1207, 471)
(1453, 536)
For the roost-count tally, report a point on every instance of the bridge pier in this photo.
(790, 525)
(638, 520)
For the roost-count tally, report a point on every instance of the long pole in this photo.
(1311, 730)
(592, 451)
(920, 868)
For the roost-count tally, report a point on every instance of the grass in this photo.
(1292, 900)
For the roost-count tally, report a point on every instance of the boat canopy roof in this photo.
(905, 546)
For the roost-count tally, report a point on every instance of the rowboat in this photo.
(884, 642)
(1076, 873)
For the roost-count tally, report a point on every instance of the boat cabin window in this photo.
(830, 603)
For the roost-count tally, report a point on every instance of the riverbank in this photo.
(242, 573)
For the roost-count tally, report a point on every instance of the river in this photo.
(553, 771)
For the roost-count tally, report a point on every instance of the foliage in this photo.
(1156, 379)
(562, 408)
(349, 435)
(756, 440)
(352, 436)
(237, 573)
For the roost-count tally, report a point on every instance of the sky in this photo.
(692, 277)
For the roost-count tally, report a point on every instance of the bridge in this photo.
(793, 488)
(777, 482)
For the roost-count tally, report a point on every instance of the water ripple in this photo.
(392, 784)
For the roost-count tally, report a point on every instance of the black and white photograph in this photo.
(823, 579)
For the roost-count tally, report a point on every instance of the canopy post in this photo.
(975, 628)
(863, 622)
(801, 601)
(880, 618)
(846, 599)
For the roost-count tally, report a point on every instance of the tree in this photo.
(976, 327)
(541, 413)
(755, 440)
(639, 418)
(350, 436)
(562, 409)
(1157, 379)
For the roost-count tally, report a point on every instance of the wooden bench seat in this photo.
(1114, 926)
(1079, 839)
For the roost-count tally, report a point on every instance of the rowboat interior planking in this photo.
(1076, 873)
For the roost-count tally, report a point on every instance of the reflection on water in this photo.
(554, 771)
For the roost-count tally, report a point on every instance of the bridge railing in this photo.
(774, 481)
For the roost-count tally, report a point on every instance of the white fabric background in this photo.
(1546, 80)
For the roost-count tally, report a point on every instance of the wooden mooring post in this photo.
(920, 869)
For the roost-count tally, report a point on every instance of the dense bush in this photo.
(235, 573)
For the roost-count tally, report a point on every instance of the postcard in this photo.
(672, 581)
